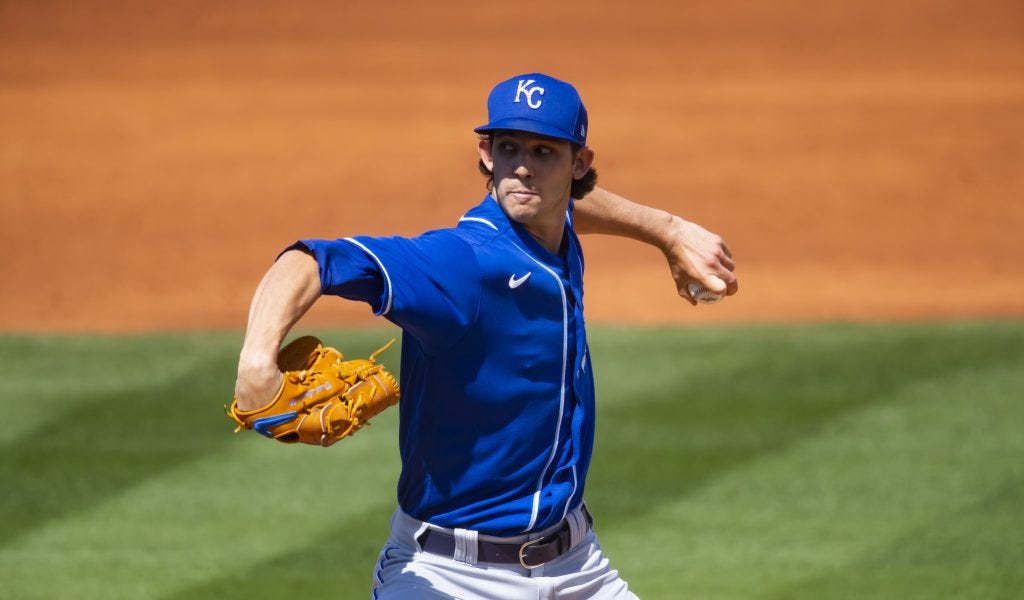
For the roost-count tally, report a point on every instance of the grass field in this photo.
(769, 462)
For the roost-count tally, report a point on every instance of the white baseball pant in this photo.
(405, 571)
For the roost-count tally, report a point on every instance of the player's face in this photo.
(533, 174)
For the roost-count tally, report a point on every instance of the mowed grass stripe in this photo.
(248, 503)
(947, 516)
(861, 508)
(43, 377)
(975, 552)
(336, 561)
(678, 407)
(697, 429)
(91, 418)
(158, 415)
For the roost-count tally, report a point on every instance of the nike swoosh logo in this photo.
(514, 283)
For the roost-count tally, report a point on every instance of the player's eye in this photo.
(543, 151)
(507, 147)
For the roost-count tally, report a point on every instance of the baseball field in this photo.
(813, 461)
(847, 426)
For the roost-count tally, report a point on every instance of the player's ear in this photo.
(484, 147)
(581, 162)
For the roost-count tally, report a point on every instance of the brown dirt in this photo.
(863, 160)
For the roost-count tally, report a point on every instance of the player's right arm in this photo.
(290, 287)
(693, 253)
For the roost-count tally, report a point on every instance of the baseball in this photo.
(702, 294)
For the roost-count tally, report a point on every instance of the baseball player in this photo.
(497, 411)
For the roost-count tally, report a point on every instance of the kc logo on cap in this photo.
(523, 88)
(540, 104)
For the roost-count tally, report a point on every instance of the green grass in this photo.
(770, 462)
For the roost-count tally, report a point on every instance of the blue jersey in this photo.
(497, 410)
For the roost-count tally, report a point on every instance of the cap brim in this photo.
(530, 126)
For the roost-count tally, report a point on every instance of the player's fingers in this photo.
(720, 282)
(726, 273)
(729, 282)
(714, 283)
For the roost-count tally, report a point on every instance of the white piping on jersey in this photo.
(561, 396)
(479, 220)
(383, 269)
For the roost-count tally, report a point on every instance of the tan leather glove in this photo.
(322, 398)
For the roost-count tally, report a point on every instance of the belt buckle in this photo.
(522, 553)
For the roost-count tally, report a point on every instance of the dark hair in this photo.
(580, 187)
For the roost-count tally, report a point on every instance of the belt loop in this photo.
(417, 535)
(577, 527)
(466, 546)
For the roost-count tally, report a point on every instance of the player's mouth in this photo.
(522, 194)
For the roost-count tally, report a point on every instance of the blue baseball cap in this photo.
(540, 104)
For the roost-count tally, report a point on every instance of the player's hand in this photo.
(696, 254)
(257, 384)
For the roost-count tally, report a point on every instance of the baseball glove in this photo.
(322, 398)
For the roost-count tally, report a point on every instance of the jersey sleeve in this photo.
(345, 270)
(427, 285)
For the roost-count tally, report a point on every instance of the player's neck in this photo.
(549, 236)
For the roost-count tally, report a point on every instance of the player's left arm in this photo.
(693, 253)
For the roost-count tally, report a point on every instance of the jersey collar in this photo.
(490, 212)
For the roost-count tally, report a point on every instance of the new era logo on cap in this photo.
(540, 104)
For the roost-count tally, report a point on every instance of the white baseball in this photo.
(702, 294)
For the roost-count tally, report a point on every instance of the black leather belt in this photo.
(530, 554)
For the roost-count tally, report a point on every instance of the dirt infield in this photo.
(863, 160)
